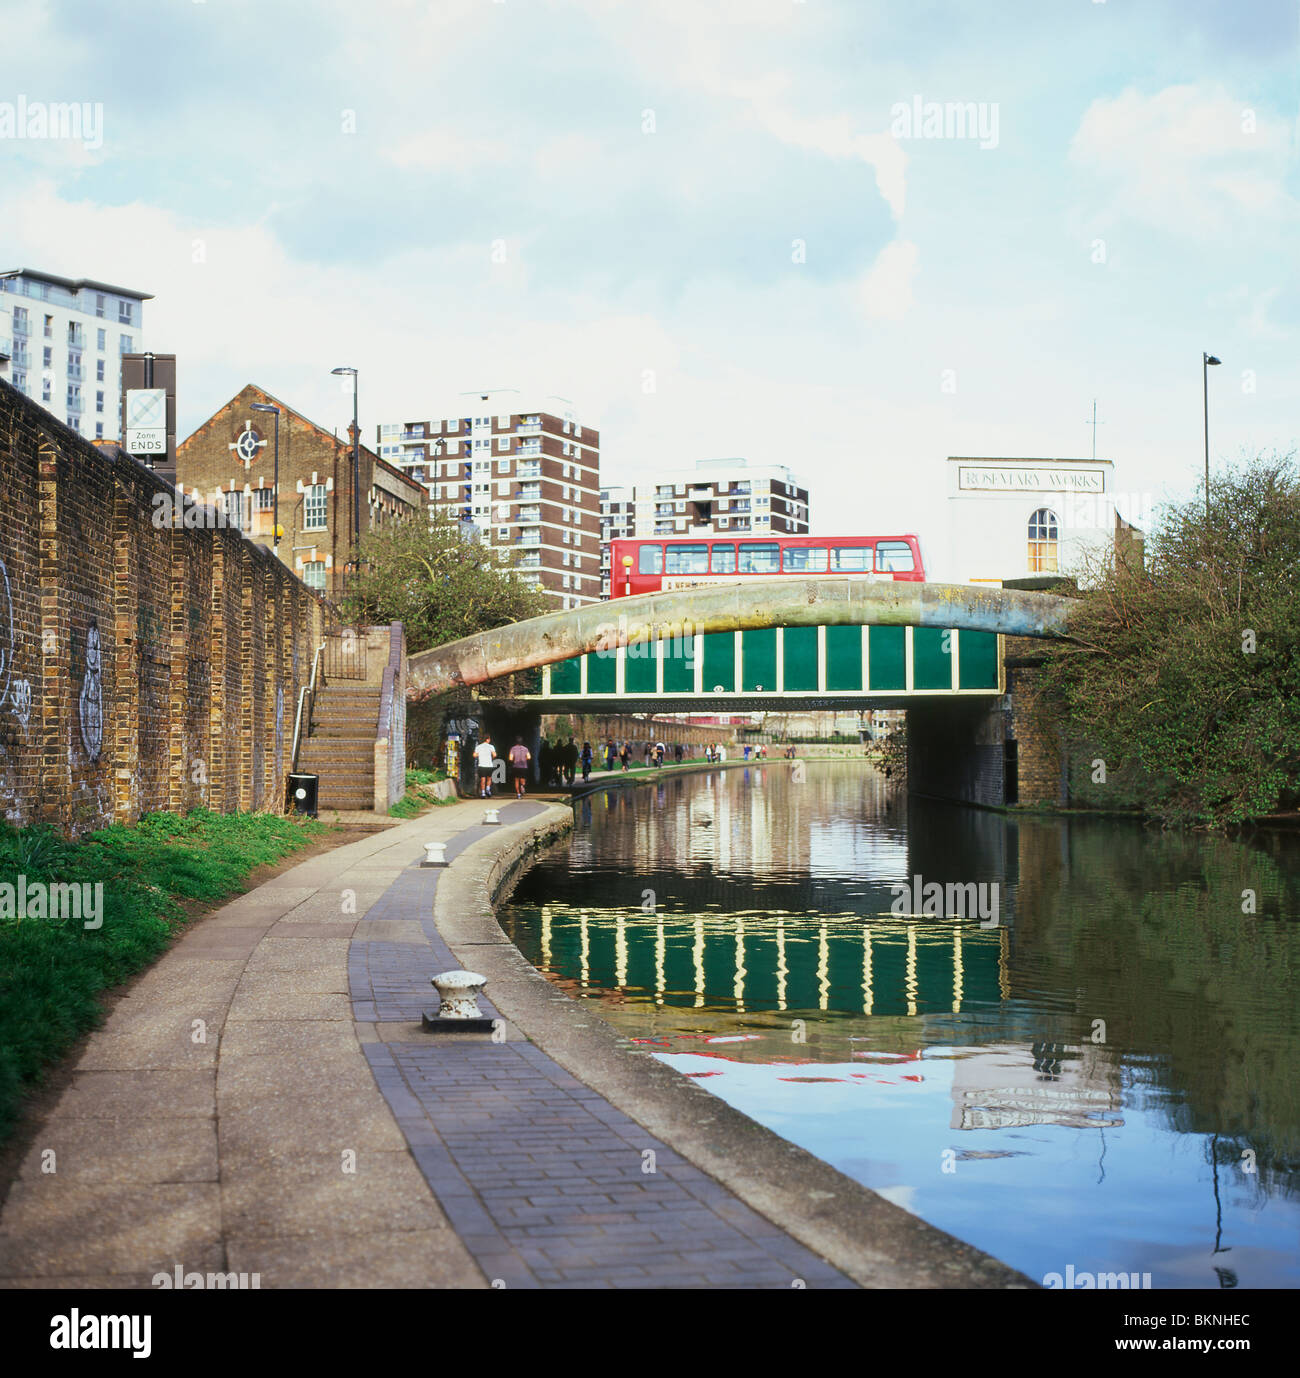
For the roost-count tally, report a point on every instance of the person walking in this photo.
(625, 756)
(485, 758)
(519, 758)
(677, 752)
(586, 762)
(609, 755)
(544, 762)
(570, 761)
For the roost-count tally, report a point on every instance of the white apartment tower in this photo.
(65, 338)
(524, 472)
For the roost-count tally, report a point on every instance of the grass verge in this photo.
(417, 799)
(54, 969)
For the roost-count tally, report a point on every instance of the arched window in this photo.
(1042, 542)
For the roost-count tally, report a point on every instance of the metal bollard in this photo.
(435, 854)
(458, 1010)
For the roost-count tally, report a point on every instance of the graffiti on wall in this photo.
(92, 696)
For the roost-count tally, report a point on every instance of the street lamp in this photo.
(1207, 360)
(356, 464)
(275, 492)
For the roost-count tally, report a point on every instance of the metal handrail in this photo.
(307, 699)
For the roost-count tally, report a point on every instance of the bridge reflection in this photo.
(774, 962)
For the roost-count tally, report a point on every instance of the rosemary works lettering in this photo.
(76, 1331)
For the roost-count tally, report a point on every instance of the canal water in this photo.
(1071, 1042)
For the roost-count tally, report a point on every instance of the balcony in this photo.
(701, 495)
(529, 428)
(22, 327)
(415, 433)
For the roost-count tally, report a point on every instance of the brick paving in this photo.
(546, 1183)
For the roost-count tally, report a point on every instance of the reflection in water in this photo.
(1105, 1079)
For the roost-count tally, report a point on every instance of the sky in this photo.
(713, 225)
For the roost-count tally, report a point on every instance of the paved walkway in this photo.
(544, 1181)
(264, 1101)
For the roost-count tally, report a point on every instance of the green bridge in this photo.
(796, 666)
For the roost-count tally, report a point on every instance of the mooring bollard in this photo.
(435, 854)
(491, 815)
(458, 1010)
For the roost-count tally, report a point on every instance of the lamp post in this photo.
(1207, 360)
(356, 468)
(275, 491)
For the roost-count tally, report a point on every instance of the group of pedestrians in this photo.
(760, 752)
(559, 762)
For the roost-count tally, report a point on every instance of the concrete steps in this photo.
(341, 748)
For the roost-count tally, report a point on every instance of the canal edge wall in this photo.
(872, 1241)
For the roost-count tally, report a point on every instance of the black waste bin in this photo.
(302, 794)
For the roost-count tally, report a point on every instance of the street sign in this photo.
(146, 421)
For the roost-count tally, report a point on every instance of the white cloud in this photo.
(885, 290)
(1190, 159)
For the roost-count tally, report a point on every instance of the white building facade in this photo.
(65, 338)
(1019, 518)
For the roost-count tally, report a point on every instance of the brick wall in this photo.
(142, 667)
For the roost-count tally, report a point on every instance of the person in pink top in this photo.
(519, 759)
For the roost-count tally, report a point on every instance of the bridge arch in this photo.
(844, 601)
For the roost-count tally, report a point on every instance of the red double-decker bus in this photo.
(664, 562)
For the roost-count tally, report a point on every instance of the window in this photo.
(47, 389)
(99, 308)
(49, 327)
(99, 402)
(313, 574)
(101, 340)
(724, 559)
(47, 357)
(265, 499)
(894, 555)
(234, 504)
(314, 513)
(124, 345)
(503, 533)
(759, 557)
(806, 559)
(687, 559)
(503, 443)
(651, 560)
(1043, 533)
(124, 313)
(99, 430)
(851, 559)
(99, 370)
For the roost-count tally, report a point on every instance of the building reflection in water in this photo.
(1121, 1008)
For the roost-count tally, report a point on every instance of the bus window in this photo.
(851, 559)
(687, 559)
(724, 559)
(652, 560)
(894, 556)
(805, 559)
(759, 558)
